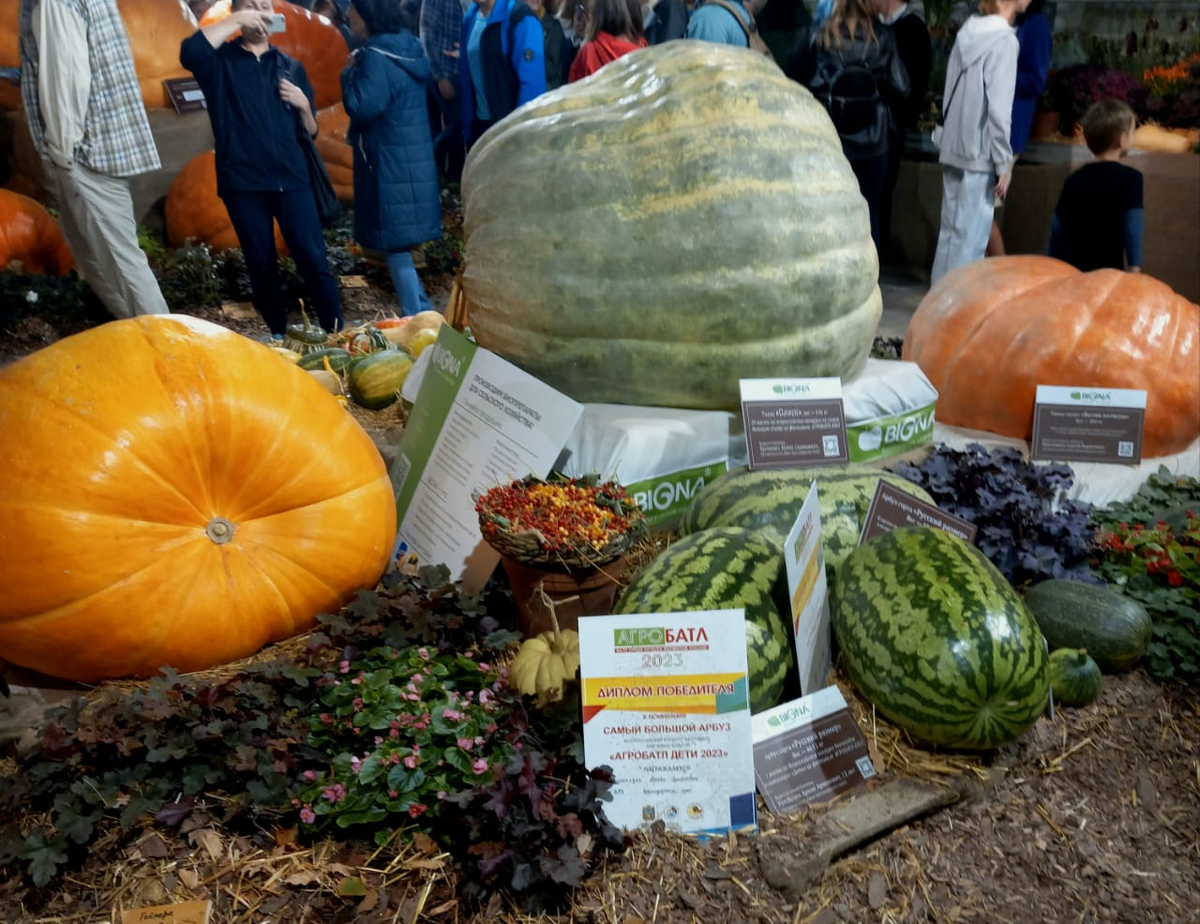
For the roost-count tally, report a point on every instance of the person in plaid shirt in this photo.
(440, 25)
(90, 127)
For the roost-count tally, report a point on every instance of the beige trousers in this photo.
(95, 213)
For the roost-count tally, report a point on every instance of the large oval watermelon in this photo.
(719, 569)
(933, 635)
(769, 501)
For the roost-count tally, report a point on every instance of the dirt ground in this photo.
(1091, 817)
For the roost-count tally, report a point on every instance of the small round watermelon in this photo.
(724, 568)
(935, 637)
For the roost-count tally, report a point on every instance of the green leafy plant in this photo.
(1149, 548)
(406, 727)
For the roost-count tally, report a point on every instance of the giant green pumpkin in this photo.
(677, 221)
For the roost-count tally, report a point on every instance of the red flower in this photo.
(1175, 577)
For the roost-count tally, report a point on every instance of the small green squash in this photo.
(1114, 629)
(305, 338)
(716, 232)
(375, 380)
(1075, 678)
(339, 359)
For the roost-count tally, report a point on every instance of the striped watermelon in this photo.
(719, 569)
(934, 636)
(768, 502)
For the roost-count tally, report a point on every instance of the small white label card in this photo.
(477, 421)
(793, 422)
(666, 705)
(804, 560)
(1073, 424)
(808, 750)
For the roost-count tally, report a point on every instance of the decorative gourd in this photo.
(310, 38)
(546, 663)
(935, 637)
(332, 125)
(181, 505)
(194, 212)
(1075, 679)
(707, 228)
(376, 379)
(990, 332)
(30, 235)
(154, 27)
(1116, 630)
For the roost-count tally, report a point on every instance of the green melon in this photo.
(701, 225)
(375, 379)
(935, 637)
(1114, 629)
(769, 501)
(724, 568)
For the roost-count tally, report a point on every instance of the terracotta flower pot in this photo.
(573, 593)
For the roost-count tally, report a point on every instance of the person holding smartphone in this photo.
(255, 94)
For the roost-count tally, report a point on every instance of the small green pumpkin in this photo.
(1075, 678)
(305, 337)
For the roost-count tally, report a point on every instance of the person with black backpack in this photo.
(851, 65)
(501, 62)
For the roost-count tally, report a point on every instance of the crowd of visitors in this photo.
(425, 79)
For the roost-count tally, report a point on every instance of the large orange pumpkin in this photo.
(193, 210)
(332, 125)
(30, 235)
(155, 29)
(990, 332)
(309, 38)
(176, 494)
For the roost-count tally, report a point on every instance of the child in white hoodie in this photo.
(976, 154)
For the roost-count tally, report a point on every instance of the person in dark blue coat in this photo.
(396, 200)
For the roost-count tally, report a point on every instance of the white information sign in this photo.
(804, 559)
(477, 421)
(666, 705)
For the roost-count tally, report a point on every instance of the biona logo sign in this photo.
(787, 717)
(653, 637)
(1091, 396)
(446, 361)
(902, 431)
(666, 494)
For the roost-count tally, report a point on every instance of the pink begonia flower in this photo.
(357, 704)
(452, 715)
(416, 810)
(326, 718)
(378, 740)
(343, 667)
(423, 652)
(479, 765)
(335, 793)
(485, 697)
(411, 761)
(484, 667)
(307, 815)
(479, 740)
(310, 775)
(418, 677)
(466, 743)
(393, 793)
(355, 764)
